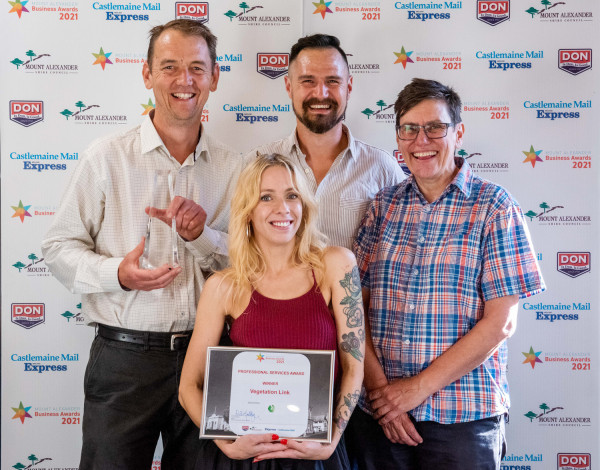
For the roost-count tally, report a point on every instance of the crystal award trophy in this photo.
(160, 246)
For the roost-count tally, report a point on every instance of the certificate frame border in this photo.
(206, 388)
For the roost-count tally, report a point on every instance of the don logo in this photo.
(197, 11)
(272, 64)
(573, 264)
(574, 461)
(493, 12)
(574, 61)
(28, 315)
(26, 113)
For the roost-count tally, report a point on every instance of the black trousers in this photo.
(130, 399)
(474, 445)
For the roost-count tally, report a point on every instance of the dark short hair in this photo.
(187, 28)
(420, 90)
(317, 41)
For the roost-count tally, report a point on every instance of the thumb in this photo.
(138, 250)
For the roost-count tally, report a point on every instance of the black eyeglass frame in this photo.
(447, 124)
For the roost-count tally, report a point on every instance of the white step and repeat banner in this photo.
(71, 71)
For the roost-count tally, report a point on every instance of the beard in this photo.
(321, 123)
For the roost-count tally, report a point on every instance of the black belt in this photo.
(170, 341)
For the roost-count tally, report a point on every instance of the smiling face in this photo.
(431, 161)
(278, 214)
(319, 86)
(182, 78)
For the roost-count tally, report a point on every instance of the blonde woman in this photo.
(284, 289)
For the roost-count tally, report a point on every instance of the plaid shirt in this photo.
(430, 269)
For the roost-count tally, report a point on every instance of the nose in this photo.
(321, 90)
(282, 206)
(421, 136)
(184, 77)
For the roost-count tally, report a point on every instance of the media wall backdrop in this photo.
(71, 71)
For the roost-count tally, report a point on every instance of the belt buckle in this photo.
(174, 337)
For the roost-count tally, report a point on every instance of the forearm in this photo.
(191, 398)
(346, 400)
(469, 352)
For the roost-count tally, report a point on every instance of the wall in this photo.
(531, 118)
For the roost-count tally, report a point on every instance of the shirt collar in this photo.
(291, 143)
(463, 180)
(150, 140)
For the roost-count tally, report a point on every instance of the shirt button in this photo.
(415, 272)
(411, 306)
(421, 239)
(406, 341)
(307, 170)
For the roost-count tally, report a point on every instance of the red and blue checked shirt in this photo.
(430, 269)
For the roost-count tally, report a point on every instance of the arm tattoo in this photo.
(351, 345)
(353, 308)
(345, 410)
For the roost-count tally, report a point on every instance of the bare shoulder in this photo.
(217, 285)
(338, 258)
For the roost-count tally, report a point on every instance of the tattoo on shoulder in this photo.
(352, 302)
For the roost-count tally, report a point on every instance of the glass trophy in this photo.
(160, 246)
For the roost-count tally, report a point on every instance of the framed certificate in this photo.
(288, 392)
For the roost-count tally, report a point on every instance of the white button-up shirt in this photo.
(102, 218)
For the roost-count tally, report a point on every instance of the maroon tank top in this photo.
(301, 323)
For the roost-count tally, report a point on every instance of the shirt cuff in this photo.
(109, 275)
(206, 244)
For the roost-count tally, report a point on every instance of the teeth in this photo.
(320, 106)
(282, 224)
(424, 154)
(183, 96)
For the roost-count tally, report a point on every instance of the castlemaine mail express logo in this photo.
(493, 12)
(574, 61)
(197, 11)
(26, 112)
(272, 64)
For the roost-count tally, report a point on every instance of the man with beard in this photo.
(344, 173)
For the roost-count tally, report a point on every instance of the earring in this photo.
(248, 230)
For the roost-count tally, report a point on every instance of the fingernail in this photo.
(274, 437)
(284, 442)
(255, 460)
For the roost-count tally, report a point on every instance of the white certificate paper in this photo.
(255, 391)
(269, 393)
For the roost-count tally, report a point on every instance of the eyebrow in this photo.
(337, 77)
(435, 121)
(173, 61)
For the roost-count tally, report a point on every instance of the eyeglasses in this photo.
(434, 130)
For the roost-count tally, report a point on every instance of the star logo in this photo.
(102, 58)
(403, 57)
(18, 7)
(21, 412)
(260, 357)
(148, 107)
(322, 7)
(21, 211)
(532, 357)
(532, 156)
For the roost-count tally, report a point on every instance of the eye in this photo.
(437, 126)
(293, 196)
(333, 82)
(265, 197)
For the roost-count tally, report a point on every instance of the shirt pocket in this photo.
(460, 258)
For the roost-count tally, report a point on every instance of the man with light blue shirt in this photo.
(344, 173)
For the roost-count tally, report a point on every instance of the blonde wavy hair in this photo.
(247, 263)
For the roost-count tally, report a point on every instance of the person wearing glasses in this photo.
(443, 257)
